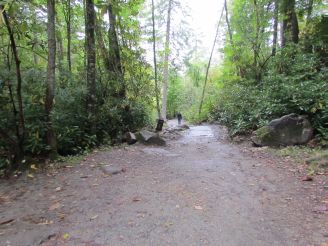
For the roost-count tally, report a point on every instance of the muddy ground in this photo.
(198, 190)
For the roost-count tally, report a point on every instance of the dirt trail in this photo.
(198, 190)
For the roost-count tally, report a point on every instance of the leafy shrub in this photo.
(294, 83)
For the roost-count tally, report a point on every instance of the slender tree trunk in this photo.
(257, 44)
(15, 155)
(275, 27)
(68, 33)
(166, 60)
(114, 52)
(209, 64)
(155, 63)
(295, 28)
(12, 144)
(51, 78)
(240, 71)
(307, 41)
(60, 55)
(104, 53)
(19, 150)
(91, 63)
(228, 22)
(309, 11)
(34, 49)
(290, 23)
(281, 34)
(11, 94)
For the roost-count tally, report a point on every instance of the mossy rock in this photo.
(147, 137)
(290, 129)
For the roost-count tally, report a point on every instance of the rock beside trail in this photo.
(130, 138)
(148, 137)
(111, 170)
(290, 129)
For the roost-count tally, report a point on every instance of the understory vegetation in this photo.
(275, 63)
(88, 108)
(76, 74)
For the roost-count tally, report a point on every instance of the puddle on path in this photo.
(199, 134)
(199, 131)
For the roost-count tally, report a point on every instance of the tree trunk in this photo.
(275, 27)
(60, 55)
(68, 17)
(257, 42)
(240, 71)
(91, 62)
(290, 23)
(307, 39)
(155, 63)
(209, 64)
(104, 53)
(51, 78)
(114, 52)
(309, 11)
(16, 153)
(34, 49)
(166, 60)
(228, 22)
(19, 150)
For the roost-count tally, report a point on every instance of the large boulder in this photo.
(148, 137)
(290, 129)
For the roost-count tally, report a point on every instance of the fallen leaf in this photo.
(6, 221)
(45, 222)
(33, 166)
(30, 176)
(4, 199)
(61, 216)
(168, 224)
(136, 199)
(307, 178)
(198, 207)
(94, 217)
(54, 206)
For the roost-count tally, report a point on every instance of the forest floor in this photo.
(200, 189)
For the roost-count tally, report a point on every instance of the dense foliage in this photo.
(260, 84)
(76, 129)
(74, 74)
(264, 77)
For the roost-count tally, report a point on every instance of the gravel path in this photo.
(198, 190)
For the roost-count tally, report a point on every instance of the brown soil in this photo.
(198, 190)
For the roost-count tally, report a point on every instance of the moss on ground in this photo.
(316, 159)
